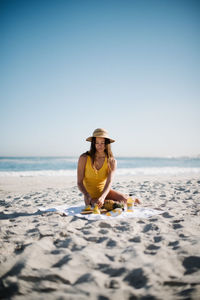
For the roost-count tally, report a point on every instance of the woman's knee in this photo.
(117, 196)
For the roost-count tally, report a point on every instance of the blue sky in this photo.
(68, 67)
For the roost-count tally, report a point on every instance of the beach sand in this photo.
(50, 256)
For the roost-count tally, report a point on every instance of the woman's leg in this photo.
(117, 196)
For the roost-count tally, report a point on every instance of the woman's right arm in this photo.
(80, 176)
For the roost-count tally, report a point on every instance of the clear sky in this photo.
(68, 67)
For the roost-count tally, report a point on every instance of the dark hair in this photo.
(107, 150)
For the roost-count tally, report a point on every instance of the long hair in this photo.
(107, 151)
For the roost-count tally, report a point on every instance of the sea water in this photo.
(66, 166)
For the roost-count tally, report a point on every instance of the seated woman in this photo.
(96, 169)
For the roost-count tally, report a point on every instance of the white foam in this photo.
(39, 173)
(120, 172)
(158, 171)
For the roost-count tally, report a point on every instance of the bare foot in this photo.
(137, 201)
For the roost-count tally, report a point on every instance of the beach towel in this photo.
(138, 212)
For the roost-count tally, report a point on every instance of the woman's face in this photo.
(100, 145)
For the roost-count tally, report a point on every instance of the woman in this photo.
(96, 169)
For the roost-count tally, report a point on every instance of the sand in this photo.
(49, 256)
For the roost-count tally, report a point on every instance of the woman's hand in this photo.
(87, 199)
(100, 201)
(112, 164)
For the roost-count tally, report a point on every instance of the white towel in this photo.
(138, 212)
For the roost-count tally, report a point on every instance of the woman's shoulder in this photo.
(83, 156)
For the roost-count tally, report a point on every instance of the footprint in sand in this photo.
(174, 245)
(111, 243)
(162, 196)
(85, 278)
(136, 278)
(154, 219)
(112, 272)
(121, 228)
(184, 237)
(111, 258)
(167, 215)
(140, 222)
(104, 225)
(26, 197)
(191, 264)
(112, 284)
(173, 199)
(178, 221)
(181, 189)
(68, 243)
(34, 232)
(135, 239)
(151, 249)
(96, 239)
(63, 243)
(56, 252)
(195, 192)
(19, 248)
(150, 227)
(86, 232)
(157, 239)
(5, 204)
(186, 293)
(177, 226)
(103, 231)
(62, 261)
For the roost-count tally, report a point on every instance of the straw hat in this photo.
(99, 132)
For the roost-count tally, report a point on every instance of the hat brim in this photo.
(89, 139)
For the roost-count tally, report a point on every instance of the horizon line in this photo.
(117, 156)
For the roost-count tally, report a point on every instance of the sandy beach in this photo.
(50, 256)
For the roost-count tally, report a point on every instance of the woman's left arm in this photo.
(107, 187)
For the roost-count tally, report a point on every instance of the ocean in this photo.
(66, 166)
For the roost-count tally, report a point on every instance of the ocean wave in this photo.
(39, 173)
(120, 172)
(37, 160)
(157, 171)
